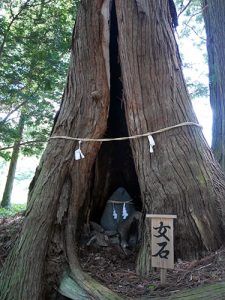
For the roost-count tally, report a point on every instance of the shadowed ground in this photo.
(188, 281)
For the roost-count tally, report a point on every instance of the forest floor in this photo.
(111, 267)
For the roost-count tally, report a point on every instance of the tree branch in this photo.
(192, 16)
(21, 104)
(37, 4)
(14, 17)
(184, 8)
(14, 110)
(195, 32)
(24, 143)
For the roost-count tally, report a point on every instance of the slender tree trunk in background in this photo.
(214, 16)
(181, 177)
(6, 199)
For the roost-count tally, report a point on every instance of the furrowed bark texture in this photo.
(84, 112)
(214, 15)
(114, 165)
(181, 176)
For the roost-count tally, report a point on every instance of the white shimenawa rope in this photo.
(125, 137)
(79, 154)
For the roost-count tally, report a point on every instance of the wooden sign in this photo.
(162, 247)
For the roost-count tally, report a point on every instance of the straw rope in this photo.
(126, 137)
(120, 202)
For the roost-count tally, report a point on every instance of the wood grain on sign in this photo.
(162, 241)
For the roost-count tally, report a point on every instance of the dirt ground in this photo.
(111, 267)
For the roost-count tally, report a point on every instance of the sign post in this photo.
(162, 248)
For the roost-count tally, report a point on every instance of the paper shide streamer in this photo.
(78, 153)
(115, 216)
(151, 143)
(124, 212)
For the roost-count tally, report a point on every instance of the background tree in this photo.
(191, 38)
(33, 75)
(6, 199)
(191, 27)
(180, 177)
(214, 13)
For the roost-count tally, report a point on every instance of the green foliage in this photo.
(191, 28)
(13, 210)
(198, 89)
(35, 38)
(6, 155)
(152, 287)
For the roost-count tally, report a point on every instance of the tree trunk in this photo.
(6, 199)
(59, 189)
(212, 291)
(214, 14)
(181, 177)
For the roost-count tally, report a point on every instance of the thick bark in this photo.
(181, 177)
(214, 14)
(114, 165)
(58, 191)
(6, 198)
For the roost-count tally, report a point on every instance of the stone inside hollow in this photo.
(116, 203)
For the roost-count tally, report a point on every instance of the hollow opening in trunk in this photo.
(114, 169)
(114, 166)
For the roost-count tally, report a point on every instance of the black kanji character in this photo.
(162, 230)
(162, 253)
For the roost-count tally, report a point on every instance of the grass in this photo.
(12, 210)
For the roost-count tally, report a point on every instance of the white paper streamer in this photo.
(115, 216)
(78, 153)
(125, 214)
(151, 143)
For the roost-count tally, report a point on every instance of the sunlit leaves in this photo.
(35, 37)
(191, 32)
